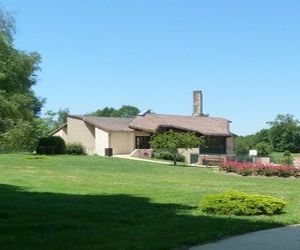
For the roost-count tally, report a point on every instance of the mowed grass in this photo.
(82, 202)
(276, 156)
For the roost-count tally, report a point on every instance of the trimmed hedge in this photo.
(239, 203)
(51, 145)
(75, 149)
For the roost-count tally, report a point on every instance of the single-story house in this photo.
(132, 135)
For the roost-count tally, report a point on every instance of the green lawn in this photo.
(276, 156)
(69, 202)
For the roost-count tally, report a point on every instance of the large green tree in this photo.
(125, 111)
(243, 144)
(171, 141)
(259, 141)
(19, 106)
(284, 133)
(56, 119)
(24, 136)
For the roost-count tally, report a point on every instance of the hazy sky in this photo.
(244, 55)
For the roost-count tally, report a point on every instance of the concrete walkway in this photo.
(286, 238)
(156, 161)
(142, 159)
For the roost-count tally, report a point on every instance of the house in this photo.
(132, 135)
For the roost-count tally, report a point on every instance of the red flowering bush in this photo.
(247, 169)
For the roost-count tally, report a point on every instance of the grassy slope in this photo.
(97, 203)
(276, 156)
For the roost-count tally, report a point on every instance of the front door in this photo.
(142, 142)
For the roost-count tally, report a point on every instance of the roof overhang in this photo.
(59, 128)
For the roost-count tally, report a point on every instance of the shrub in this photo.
(239, 203)
(264, 149)
(51, 145)
(75, 149)
(287, 158)
(247, 169)
(166, 155)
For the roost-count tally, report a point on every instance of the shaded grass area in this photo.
(77, 202)
(60, 221)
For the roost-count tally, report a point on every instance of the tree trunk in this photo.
(175, 159)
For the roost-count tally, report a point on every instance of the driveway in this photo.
(286, 238)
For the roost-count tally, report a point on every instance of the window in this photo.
(214, 145)
(142, 142)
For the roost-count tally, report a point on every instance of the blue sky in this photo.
(244, 55)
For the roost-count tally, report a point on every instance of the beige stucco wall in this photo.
(101, 141)
(122, 142)
(144, 153)
(96, 140)
(63, 133)
(296, 161)
(80, 131)
(262, 160)
(187, 153)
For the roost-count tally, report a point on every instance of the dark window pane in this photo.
(214, 145)
(142, 142)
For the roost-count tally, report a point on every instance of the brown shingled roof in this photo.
(110, 124)
(152, 122)
(204, 125)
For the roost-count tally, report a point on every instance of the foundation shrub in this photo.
(75, 149)
(166, 155)
(239, 203)
(51, 145)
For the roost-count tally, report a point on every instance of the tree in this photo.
(284, 133)
(243, 144)
(262, 136)
(286, 159)
(171, 141)
(62, 116)
(263, 148)
(24, 136)
(19, 106)
(125, 111)
(259, 141)
(106, 112)
(7, 25)
(56, 119)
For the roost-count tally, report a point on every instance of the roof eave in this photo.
(59, 128)
(142, 129)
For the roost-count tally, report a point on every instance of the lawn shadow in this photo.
(31, 220)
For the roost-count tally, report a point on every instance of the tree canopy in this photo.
(56, 119)
(125, 111)
(282, 135)
(171, 141)
(19, 106)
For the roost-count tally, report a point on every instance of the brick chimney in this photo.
(197, 103)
